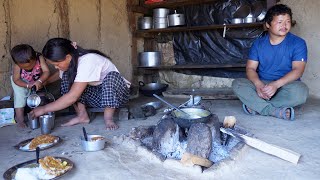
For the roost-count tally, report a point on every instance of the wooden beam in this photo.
(274, 150)
(143, 33)
(177, 3)
(207, 66)
(139, 9)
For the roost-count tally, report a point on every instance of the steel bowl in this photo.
(157, 105)
(93, 145)
(237, 21)
(249, 20)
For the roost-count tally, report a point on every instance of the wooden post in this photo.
(132, 26)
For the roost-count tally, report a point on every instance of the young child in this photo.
(29, 69)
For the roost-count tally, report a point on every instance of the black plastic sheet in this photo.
(210, 47)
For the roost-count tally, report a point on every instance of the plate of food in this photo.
(43, 142)
(48, 168)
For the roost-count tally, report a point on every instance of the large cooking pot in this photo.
(152, 88)
(149, 59)
(185, 122)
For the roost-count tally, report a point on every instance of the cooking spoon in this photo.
(37, 154)
(191, 116)
(85, 134)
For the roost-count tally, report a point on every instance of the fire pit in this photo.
(202, 144)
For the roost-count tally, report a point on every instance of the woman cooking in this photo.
(89, 78)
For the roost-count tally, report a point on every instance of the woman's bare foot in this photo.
(82, 116)
(108, 119)
(111, 125)
(77, 120)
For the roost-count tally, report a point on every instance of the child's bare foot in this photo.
(22, 125)
(111, 125)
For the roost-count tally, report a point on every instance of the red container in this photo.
(152, 1)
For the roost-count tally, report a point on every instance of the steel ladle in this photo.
(190, 116)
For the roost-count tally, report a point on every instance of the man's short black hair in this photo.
(278, 9)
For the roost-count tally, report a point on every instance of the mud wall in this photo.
(94, 24)
(306, 13)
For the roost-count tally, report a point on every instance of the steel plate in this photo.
(25, 142)
(11, 172)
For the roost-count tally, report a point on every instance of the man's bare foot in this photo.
(77, 120)
(111, 125)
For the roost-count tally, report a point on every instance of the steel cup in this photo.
(53, 117)
(33, 122)
(46, 124)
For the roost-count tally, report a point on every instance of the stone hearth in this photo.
(168, 142)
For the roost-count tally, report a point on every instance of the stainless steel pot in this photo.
(36, 99)
(160, 22)
(149, 59)
(160, 12)
(145, 23)
(93, 145)
(176, 19)
(33, 100)
(184, 122)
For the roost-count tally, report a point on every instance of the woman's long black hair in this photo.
(56, 49)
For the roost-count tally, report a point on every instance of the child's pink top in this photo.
(33, 75)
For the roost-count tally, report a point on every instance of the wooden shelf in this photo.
(177, 3)
(135, 6)
(171, 4)
(195, 28)
(205, 66)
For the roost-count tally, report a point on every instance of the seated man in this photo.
(276, 62)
